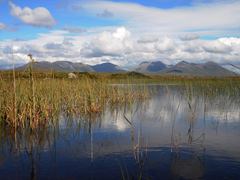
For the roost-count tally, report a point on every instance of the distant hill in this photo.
(151, 67)
(62, 66)
(131, 74)
(231, 67)
(107, 67)
(67, 66)
(205, 69)
(181, 68)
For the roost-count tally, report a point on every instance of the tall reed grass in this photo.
(32, 99)
(36, 101)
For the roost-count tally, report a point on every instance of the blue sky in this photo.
(66, 16)
(170, 29)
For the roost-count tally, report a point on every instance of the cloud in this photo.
(220, 16)
(217, 47)
(107, 43)
(149, 39)
(74, 29)
(2, 26)
(53, 46)
(165, 45)
(105, 14)
(120, 46)
(39, 16)
(189, 37)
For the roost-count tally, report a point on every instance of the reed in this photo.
(34, 99)
(46, 99)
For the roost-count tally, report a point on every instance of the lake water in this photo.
(167, 136)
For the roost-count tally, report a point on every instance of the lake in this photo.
(169, 135)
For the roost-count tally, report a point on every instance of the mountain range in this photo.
(156, 67)
(62, 66)
(206, 69)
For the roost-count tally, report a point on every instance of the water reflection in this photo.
(171, 135)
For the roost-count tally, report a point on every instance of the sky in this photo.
(123, 32)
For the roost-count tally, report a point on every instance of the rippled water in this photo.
(168, 136)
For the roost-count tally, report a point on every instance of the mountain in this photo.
(107, 67)
(231, 67)
(67, 66)
(181, 68)
(62, 66)
(151, 67)
(205, 69)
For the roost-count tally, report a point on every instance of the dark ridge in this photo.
(131, 74)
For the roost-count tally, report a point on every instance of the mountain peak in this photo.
(183, 63)
(151, 67)
(206, 69)
(107, 67)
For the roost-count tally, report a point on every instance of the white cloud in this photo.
(217, 47)
(218, 16)
(107, 43)
(165, 45)
(39, 16)
(119, 45)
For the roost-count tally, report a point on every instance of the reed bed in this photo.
(35, 102)
(33, 99)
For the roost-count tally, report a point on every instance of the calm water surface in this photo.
(168, 136)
